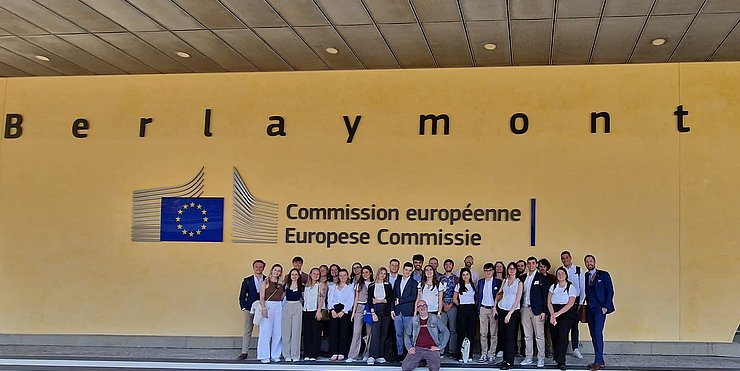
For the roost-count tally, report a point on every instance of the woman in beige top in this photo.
(271, 298)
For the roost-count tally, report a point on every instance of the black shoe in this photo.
(561, 366)
(242, 357)
(505, 365)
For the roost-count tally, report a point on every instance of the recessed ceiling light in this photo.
(183, 55)
(42, 58)
(332, 50)
(489, 46)
(658, 42)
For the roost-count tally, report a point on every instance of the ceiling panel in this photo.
(671, 7)
(730, 48)
(623, 8)
(449, 44)
(320, 38)
(17, 25)
(531, 9)
(25, 65)
(8, 71)
(669, 27)
(616, 38)
(39, 16)
(28, 50)
(483, 10)
(574, 39)
(300, 12)
(291, 48)
(391, 11)
(73, 54)
(483, 32)
(137, 48)
(254, 49)
(124, 14)
(209, 44)
(169, 44)
(255, 13)
(530, 41)
(579, 8)
(211, 13)
(437, 10)
(369, 46)
(345, 12)
(705, 34)
(408, 45)
(81, 15)
(108, 53)
(721, 6)
(167, 13)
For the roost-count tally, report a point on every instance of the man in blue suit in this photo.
(249, 293)
(405, 290)
(488, 287)
(599, 296)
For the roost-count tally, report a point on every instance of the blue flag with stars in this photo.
(198, 219)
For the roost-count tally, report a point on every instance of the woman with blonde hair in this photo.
(271, 300)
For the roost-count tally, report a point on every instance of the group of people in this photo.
(426, 314)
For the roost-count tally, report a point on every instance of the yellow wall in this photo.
(657, 208)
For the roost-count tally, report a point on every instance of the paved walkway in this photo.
(25, 357)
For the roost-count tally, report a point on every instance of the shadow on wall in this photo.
(737, 336)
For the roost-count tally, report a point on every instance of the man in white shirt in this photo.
(249, 293)
(533, 312)
(487, 289)
(576, 276)
(393, 266)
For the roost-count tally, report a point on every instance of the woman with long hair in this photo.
(333, 277)
(464, 297)
(323, 273)
(431, 291)
(314, 297)
(508, 313)
(381, 300)
(499, 270)
(356, 273)
(358, 309)
(292, 317)
(271, 299)
(341, 298)
(563, 313)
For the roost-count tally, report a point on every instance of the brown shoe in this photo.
(242, 357)
(596, 367)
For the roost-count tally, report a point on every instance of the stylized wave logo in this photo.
(147, 207)
(255, 220)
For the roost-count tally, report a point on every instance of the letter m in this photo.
(434, 119)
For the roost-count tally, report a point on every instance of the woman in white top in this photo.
(341, 298)
(508, 313)
(314, 297)
(358, 309)
(431, 291)
(382, 302)
(464, 298)
(563, 313)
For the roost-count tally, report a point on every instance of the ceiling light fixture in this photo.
(332, 50)
(183, 55)
(489, 46)
(42, 58)
(658, 42)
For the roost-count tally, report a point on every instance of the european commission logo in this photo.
(182, 214)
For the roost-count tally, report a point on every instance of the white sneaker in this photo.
(306, 359)
(483, 359)
(312, 359)
(526, 361)
(577, 353)
(381, 360)
(349, 360)
(266, 360)
(540, 363)
(500, 354)
(370, 361)
(364, 359)
(276, 359)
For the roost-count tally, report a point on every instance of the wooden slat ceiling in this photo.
(90, 37)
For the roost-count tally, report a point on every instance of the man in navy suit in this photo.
(599, 296)
(534, 307)
(249, 293)
(405, 290)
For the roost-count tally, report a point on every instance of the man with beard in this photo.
(600, 301)
(449, 309)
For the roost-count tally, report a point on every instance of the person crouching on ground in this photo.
(424, 337)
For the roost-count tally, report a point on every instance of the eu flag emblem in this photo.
(199, 219)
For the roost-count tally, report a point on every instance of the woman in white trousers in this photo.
(271, 298)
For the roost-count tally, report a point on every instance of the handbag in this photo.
(257, 310)
(367, 316)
